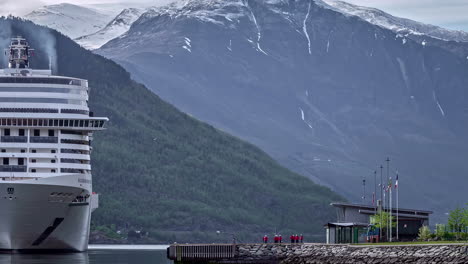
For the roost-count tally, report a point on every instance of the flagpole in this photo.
(374, 200)
(382, 190)
(390, 218)
(388, 212)
(388, 196)
(384, 197)
(382, 201)
(397, 191)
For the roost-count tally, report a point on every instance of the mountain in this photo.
(162, 171)
(399, 25)
(327, 94)
(71, 20)
(118, 26)
(455, 41)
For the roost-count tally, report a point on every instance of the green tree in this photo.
(380, 220)
(424, 233)
(458, 221)
(441, 231)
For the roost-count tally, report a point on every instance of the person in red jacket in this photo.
(292, 239)
(296, 238)
(265, 239)
(276, 239)
(280, 239)
(301, 238)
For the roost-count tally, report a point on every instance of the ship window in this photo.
(7, 132)
(21, 132)
(33, 170)
(21, 161)
(53, 151)
(6, 161)
(33, 150)
(51, 133)
(23, 151)
(55, 122)
(33, 161)
(3, 150)
(53, 161)
(37, 132)
(53, 171)
(61, 123)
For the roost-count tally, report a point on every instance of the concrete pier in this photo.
(317, 253)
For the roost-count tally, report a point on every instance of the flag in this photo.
(396, 182)
(389, 185)
(373, 198)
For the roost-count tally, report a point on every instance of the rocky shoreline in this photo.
(341, 254)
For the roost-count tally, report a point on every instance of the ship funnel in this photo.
(18, 53)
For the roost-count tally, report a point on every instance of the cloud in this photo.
(18, 8)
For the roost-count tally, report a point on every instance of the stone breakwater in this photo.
(337, 254)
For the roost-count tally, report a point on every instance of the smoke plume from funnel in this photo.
(40, 39)
(5, 37)
(44, 44)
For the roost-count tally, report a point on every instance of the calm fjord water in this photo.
(93, 256)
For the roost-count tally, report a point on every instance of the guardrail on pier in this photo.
(180, 252)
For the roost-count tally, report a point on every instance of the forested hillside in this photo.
(162, 171)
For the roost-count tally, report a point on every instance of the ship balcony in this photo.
(13, 168)
(43, 139)
(75, 166)
(14, 139)
(43, 165)
(75, 156)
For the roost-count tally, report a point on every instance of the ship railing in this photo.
(13, 168)
(14, 139)
(43, 140)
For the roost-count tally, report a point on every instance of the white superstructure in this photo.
(46, 128)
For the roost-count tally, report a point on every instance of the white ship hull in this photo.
(46, 130)
(33, 219)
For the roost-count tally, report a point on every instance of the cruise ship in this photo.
(46, 196)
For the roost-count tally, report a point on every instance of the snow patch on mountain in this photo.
(396, 24)
(259, 32)
(212, 11)
(304, 27)
(434, 96)
(71, 20)
(118, 26)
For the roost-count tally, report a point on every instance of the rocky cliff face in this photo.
(327, 94)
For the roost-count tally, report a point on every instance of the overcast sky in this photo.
(446, 13)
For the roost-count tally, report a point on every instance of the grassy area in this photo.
(412, 243)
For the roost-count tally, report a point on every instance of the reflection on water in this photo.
(91, 257)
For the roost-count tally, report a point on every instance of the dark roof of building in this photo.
(371, 207)
(348, 224)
